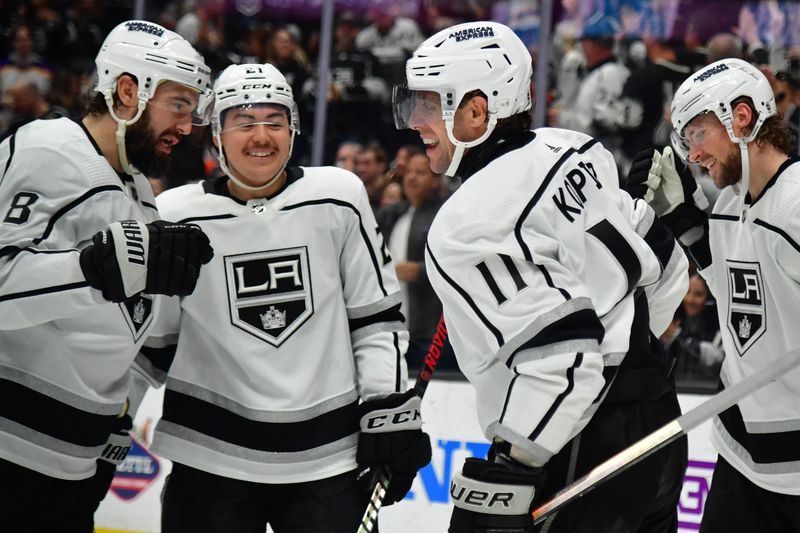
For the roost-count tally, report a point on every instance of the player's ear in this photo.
(742, 118)
(126, 90)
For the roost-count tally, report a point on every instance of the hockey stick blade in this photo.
(667, 434)
(383, 476)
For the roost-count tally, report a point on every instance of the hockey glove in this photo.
(119, 441)
(158, 258)
(392, 437)
(671, 191)
(494, 496)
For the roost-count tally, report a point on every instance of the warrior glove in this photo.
(392, 438)
(130, 257)
(672, 192)
(494, 496)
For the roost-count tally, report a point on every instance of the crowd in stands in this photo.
(612, 75)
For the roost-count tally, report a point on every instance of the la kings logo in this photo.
(269, 293)
(138, 313)
(747, 317)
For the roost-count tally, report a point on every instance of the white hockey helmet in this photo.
(713, 90)
(152, 54)
(485, 56)
(250, 85)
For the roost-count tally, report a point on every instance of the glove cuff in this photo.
(490, 498)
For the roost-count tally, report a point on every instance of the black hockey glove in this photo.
(119, 441)
(672, 192)
(494, 496)
(392, 437)
(158, 258)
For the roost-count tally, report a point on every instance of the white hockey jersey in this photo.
(536, 258)
(755, 277)
(65, 352)
(295, 319)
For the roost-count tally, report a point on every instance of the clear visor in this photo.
(412, 108)
(187, 103)
(245, 117)
(680, 146)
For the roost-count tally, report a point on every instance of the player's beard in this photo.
(730, 169)
(140, 145)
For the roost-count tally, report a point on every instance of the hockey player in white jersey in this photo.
(292, 340)
(748, 250)
(77, 286)
(554, 283)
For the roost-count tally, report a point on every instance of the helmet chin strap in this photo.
(744, 184)
(239, 183)
(461, 146)
(122, 126)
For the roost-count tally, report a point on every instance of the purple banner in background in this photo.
(312, 9)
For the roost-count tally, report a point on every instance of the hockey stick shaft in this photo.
(432, 356)
(667, 434)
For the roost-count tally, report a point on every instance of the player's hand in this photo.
(671, 191)
(130, 257)
(392, 437)
(494, 496)
(408, 271)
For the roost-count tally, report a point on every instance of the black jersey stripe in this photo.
(13, 251)
(209, 217)
(72, 205)
(363, 230)
(661, 241)
(26, 406)
(224, 425)
(12, 143)
(580, 325)
(43, 290)
(620, 249)
(151, 206)
(559, 399)
(392, 314)
(398, 377)
(779, 231)
(538, 194)
(160, 358)
(764, 448)
(467, 298)
(727, 218)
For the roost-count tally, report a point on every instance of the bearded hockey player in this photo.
(554, 283)
(74, 309)
(292, 341)
(747, 250)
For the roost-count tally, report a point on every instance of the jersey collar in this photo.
(498, 144)
(786, 164)
(219, 186)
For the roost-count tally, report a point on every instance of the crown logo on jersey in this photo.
(744, 328)
(138, 312)
(273, 318)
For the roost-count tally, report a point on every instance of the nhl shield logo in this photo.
(747, 317)
(270, 292)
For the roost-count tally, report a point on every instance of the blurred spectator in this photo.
(405, 227)
(356, 96)
(347, 155)
(65, 92)
(24, 64)
(391, 39)
(596, 107)
(647, 95)
(392, 194)
(694, 340)
(724, 45)
(85, 29)
(399, 164)
(27, 104)
(787, 97)
(284, 53)
(371, 168)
